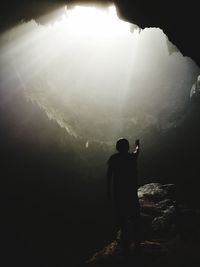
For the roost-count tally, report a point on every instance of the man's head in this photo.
(122, 145)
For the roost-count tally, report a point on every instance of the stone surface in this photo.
(195, 91)
(158, 209)
(155, 191)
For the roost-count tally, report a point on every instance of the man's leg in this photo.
(136, 232)
(125, 235)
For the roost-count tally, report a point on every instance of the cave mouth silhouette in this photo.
(87, 67)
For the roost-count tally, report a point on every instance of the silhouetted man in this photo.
(122, 186)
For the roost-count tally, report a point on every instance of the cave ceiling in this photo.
(178, 19)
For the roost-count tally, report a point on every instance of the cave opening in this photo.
(89, 70)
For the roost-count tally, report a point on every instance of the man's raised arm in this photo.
(137, 148)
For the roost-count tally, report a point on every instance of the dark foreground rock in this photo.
(170, 233)
(162, 216)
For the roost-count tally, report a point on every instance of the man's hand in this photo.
(137, 147)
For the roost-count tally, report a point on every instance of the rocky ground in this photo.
(170, 233)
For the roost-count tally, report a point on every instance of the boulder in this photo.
(158, 205)
(156, 191)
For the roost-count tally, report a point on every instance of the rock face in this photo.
(195, 91)
(155, 191)
(164, 224)
(159, 211)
